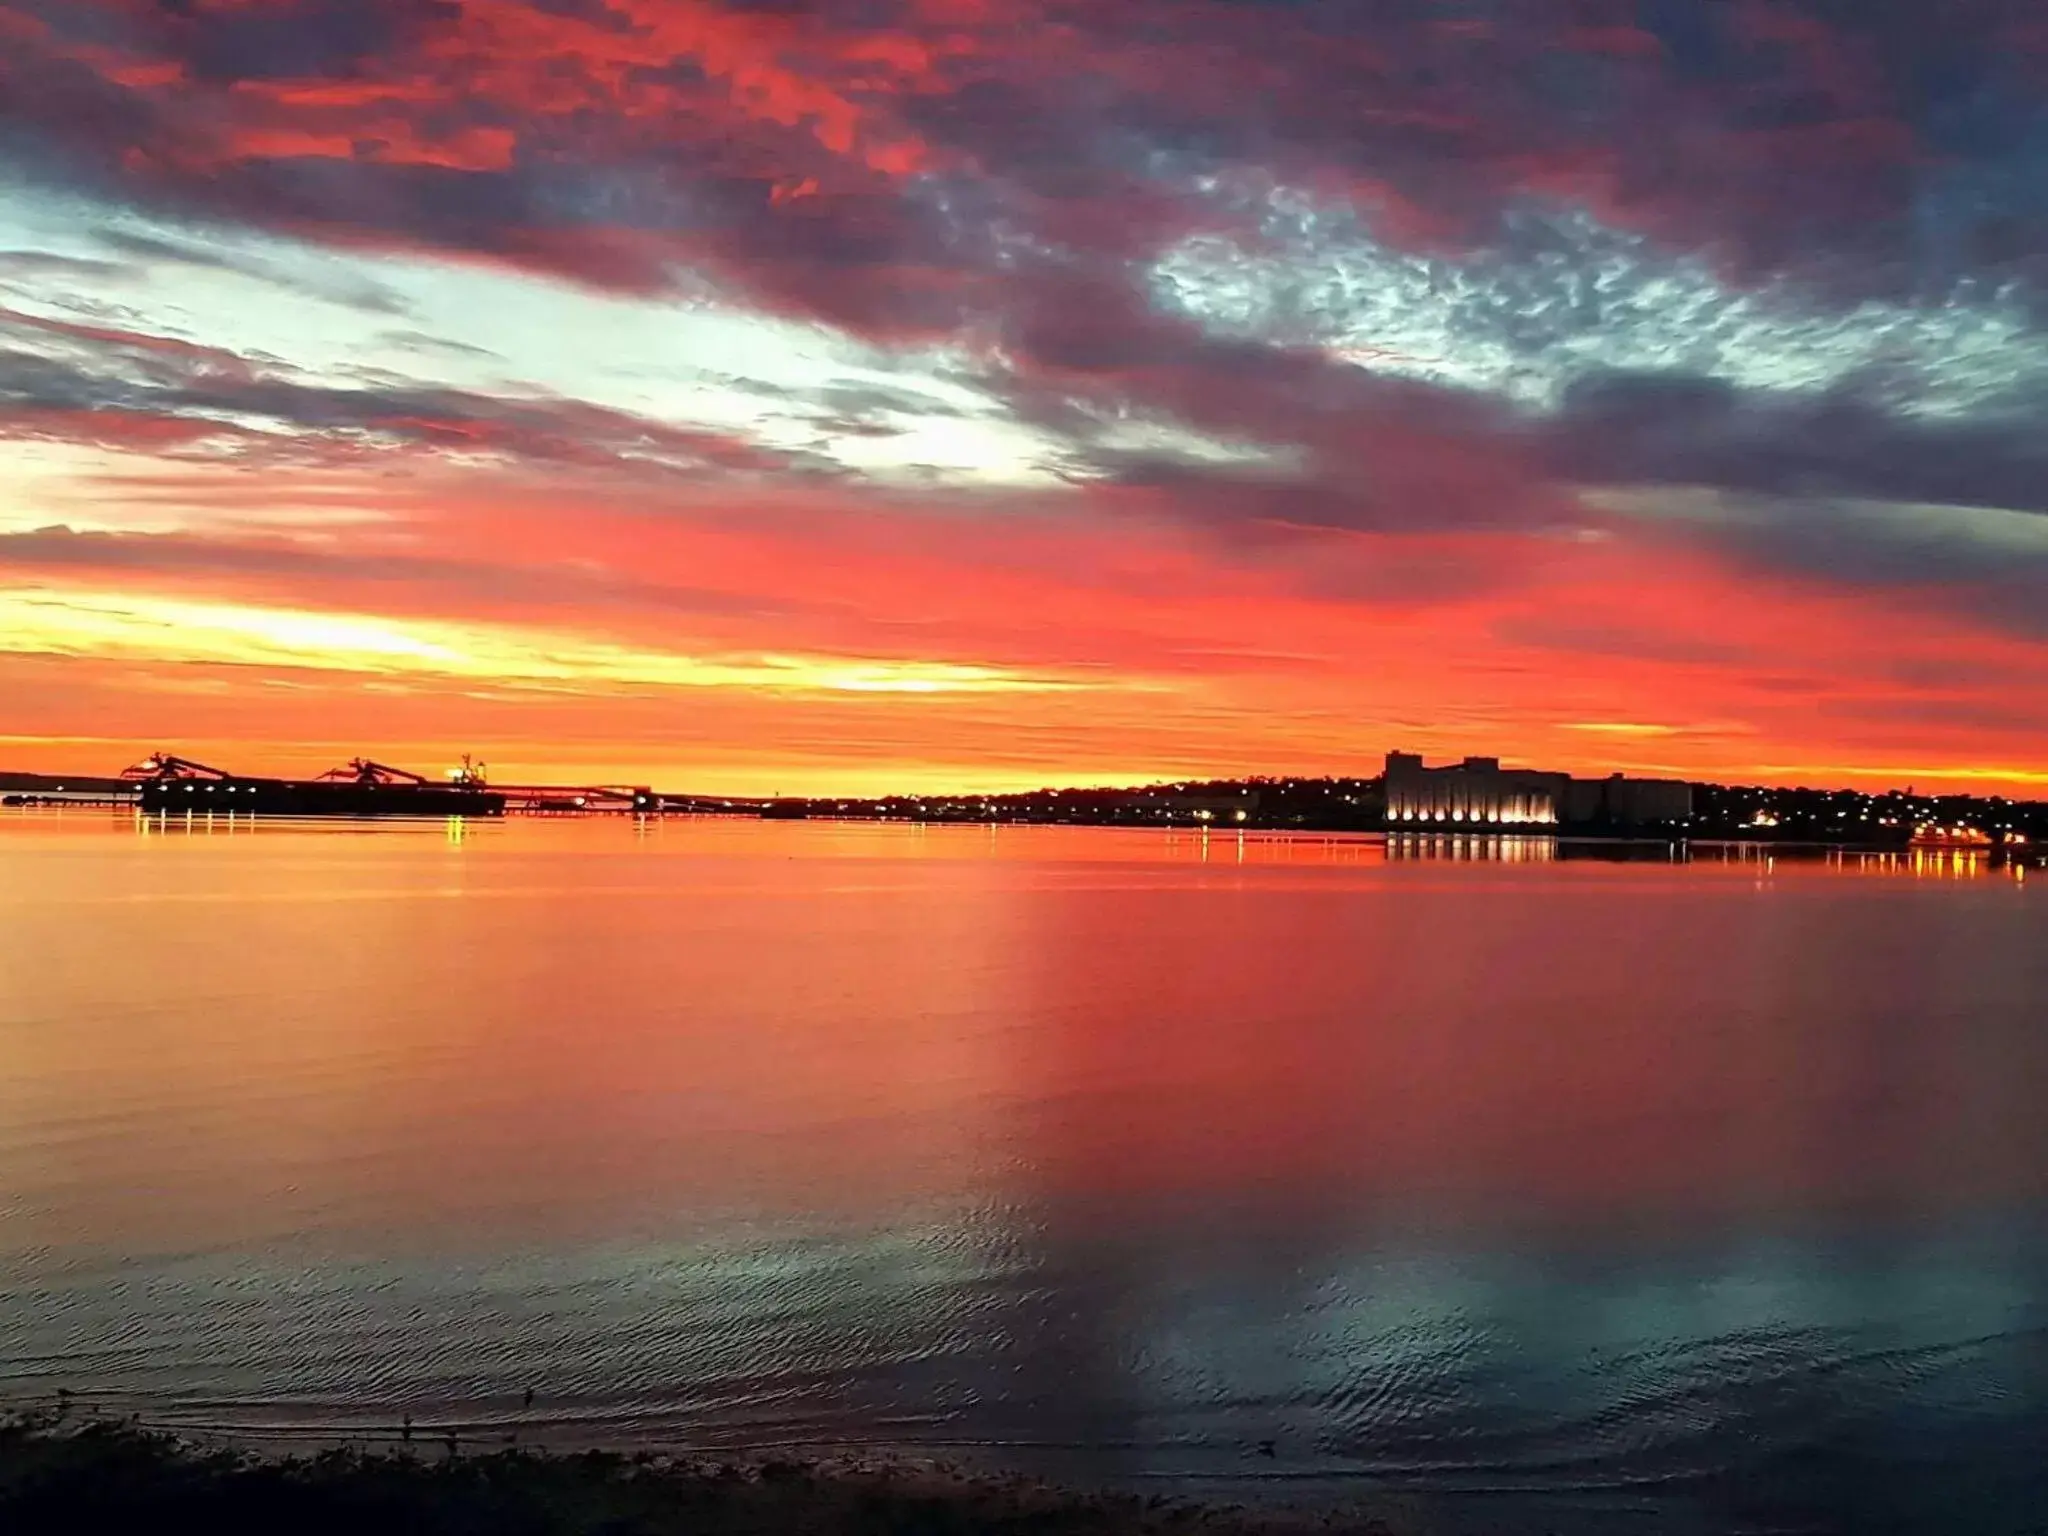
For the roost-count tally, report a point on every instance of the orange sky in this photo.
(567, 632)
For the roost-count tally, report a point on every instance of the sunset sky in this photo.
(840, 395)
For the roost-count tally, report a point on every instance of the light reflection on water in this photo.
(1631, 1194)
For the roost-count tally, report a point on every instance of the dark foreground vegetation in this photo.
(120, 1478)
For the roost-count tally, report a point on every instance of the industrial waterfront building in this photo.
(1478, 792)
(1624, 802)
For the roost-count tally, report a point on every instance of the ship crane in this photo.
(365, 787)
(360, 770)
(168, 765)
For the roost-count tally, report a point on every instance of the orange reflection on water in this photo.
(538, 1031)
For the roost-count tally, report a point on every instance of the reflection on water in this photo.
(1207, 845)
(1544, 1191)
(1466, 848)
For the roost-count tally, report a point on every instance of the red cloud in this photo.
(706, 127)
(193, 354)
(387, 141)
(775, 69)
(136, 430)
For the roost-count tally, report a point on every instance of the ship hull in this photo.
(289, 797)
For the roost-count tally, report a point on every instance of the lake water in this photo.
(1519, 1193)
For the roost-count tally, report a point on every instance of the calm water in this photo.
(1520, 1194)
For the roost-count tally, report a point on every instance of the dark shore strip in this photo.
(58, 1476)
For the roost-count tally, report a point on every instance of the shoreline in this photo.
(60, 1472)
(1574, 837)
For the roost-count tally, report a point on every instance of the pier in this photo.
(166, 783)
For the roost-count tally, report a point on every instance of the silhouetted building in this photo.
(1480, 792)
(1624, 802)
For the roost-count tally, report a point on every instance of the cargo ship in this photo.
(168, 784)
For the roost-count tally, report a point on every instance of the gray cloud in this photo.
(352, 290)
(1681, 430)
(16, 266)
(64, 379)
(1988, 563)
